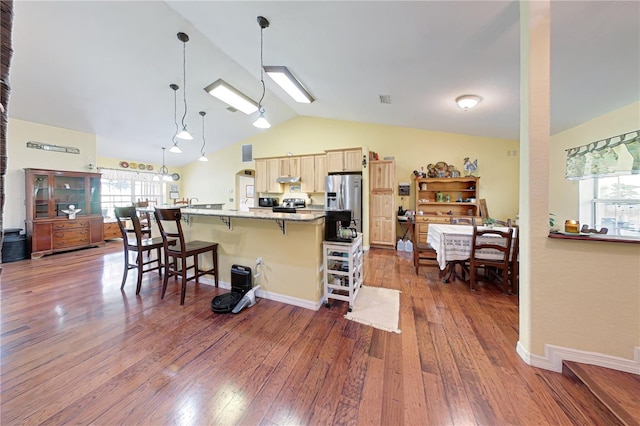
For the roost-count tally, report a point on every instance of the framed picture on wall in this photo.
(249, 191)
(174, 195)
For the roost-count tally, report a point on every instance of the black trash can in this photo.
(14, 245)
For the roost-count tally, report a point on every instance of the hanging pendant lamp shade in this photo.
(175, 148)
(262, 122)
(163, 171)
(202, 157)
(184, 133)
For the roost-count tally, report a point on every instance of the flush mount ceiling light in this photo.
(203, 157)
(262, 122)
(468, 101)
(231, 96)
(184, 133)
(289, 83)
(175, 148)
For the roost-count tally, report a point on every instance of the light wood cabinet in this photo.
(382, 214)
(273, 172)
(307, 174)
(110, 230)
(49, 194)
(440, 199)
(261, 176)
(344, 160)
(289, 166)
(320, 171)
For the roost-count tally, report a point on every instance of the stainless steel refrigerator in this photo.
(344, 192)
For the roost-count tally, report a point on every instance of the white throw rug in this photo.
(378, 307)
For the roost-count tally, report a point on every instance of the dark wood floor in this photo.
(77, 350)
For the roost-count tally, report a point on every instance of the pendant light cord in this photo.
(175, 115)
(184, 79)
(202, 113)
(261, 72)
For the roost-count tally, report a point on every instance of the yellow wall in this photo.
(588, 294)
(214, 181)
(20, 157)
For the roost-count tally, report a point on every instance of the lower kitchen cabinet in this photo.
(343, 272)
(65, 234)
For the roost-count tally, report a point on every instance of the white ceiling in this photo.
(105, 67)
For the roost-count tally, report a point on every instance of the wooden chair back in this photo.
(463, 220)
(124, 216)
(423, 253)
(494, 251)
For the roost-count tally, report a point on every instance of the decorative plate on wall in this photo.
(124, 164)
(149, 167)
(133, 165)
(141, 167)
(175, 176)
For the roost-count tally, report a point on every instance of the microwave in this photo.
(267, 202)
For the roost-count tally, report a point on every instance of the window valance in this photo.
(116, 174)
(617, 155)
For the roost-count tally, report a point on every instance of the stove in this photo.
(290, 205)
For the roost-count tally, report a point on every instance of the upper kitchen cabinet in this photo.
(267, 171)
(313, 170)
(381, 175)
(289, 166)
(344, 160)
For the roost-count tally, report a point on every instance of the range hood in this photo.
(288, 179)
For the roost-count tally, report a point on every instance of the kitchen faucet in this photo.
(191, 200)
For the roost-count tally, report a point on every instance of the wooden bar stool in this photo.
(175, 257)
(135, 241)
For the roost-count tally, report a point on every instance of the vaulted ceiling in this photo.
(104, 67)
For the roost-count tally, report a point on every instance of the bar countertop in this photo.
(306, 216)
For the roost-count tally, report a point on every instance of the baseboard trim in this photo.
(554, 355)
(276, 297)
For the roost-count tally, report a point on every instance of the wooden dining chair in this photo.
(135, 241)
(491, 250)
(176, 256)
(463, 220)
(514, 267)
(506, 223)
(423, 253)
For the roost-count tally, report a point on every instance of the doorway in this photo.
(245, 184)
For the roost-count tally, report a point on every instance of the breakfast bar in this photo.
(290, 269)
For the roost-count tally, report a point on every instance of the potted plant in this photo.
(488, 222)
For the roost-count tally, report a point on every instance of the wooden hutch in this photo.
(48, 193)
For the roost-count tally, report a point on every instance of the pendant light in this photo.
(163, 170)
(262, 122)
(203, 157)
(184, 133)
(175, 148)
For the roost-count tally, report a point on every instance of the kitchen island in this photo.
(289, 245)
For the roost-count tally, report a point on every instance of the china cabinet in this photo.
(440, 199)
(63, 211)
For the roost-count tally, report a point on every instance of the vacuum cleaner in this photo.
(241, 295)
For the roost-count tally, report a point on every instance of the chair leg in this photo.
(472, 278)
(165, 280)
(196, 269)
(126, 268)
(158, 253)
(140, 259)
(183, 291)
(215, 264)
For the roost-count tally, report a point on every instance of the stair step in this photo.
(617, 390)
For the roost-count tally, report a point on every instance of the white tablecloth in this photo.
(453, 242)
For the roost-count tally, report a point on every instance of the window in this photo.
(123, 188)
(613, 203)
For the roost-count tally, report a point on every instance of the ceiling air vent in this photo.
(385, 99)
(232, 109)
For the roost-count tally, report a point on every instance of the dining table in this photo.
(452, 244)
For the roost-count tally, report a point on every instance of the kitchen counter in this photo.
(264, 214)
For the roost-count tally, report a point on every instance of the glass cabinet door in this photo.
(69, 191)
(41, 196)
(95, 206)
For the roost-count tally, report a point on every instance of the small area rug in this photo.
(378, 307)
